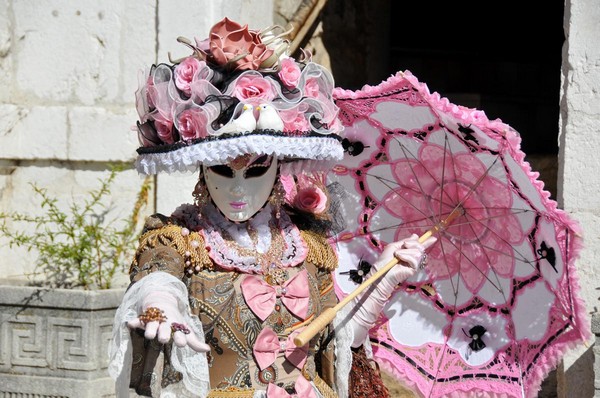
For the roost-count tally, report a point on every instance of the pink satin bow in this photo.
(261, 297)
(302, 386)
(268, 345)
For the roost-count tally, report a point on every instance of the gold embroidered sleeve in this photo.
(167, 249)
(320, 252)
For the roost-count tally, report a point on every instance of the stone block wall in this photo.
(68, 74)
(578, 177)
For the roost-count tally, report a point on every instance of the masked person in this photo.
(221, 287)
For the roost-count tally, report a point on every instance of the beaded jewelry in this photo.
(200, 193)
(277, 197)
(152, 314)
(179, 327)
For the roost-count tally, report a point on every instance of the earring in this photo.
(200, 193)
(277, 197)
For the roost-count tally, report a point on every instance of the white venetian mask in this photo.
(241, 187)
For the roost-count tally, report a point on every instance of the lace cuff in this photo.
(192, 365)
(344, 335)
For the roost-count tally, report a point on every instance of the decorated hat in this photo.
(237, 93)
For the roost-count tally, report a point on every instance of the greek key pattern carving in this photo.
(54, 342)
(24, 343)
(70, 340)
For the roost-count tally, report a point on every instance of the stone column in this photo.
(578, 177)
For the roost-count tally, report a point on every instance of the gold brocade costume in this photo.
(230, 326)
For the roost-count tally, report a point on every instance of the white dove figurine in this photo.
(268, 118)
(245, 122)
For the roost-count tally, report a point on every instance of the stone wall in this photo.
(578, 177)
(68, 73)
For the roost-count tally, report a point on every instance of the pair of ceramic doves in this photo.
(268, 119)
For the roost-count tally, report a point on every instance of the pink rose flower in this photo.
(191, 124)
(294, 120)
(164, 128)
(253, 90)
(311, 200)
(235, 47)
(289, 73)
(184, 74)
(311, 88)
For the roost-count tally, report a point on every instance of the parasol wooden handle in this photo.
(327, 316)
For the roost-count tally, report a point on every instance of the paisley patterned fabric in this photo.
(216, 296)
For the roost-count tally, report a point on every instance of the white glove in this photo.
(172, 324)
(409, 253)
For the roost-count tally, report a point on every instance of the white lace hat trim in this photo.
(306, 149)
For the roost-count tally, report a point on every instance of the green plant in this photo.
(80, 247)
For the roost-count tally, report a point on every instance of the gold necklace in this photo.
(269, 261)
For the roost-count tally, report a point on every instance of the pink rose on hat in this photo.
(253, 89)
(294, 119)
(164, 127)
(289, 73)
(311, 88)
(185, 72)
(191, 124)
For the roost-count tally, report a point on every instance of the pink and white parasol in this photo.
(497, 304)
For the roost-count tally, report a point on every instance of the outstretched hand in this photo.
(162, 320)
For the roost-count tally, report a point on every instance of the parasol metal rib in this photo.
(327, 316)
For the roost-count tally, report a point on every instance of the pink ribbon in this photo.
(302, 386)
(261, 297)
(268, 346)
